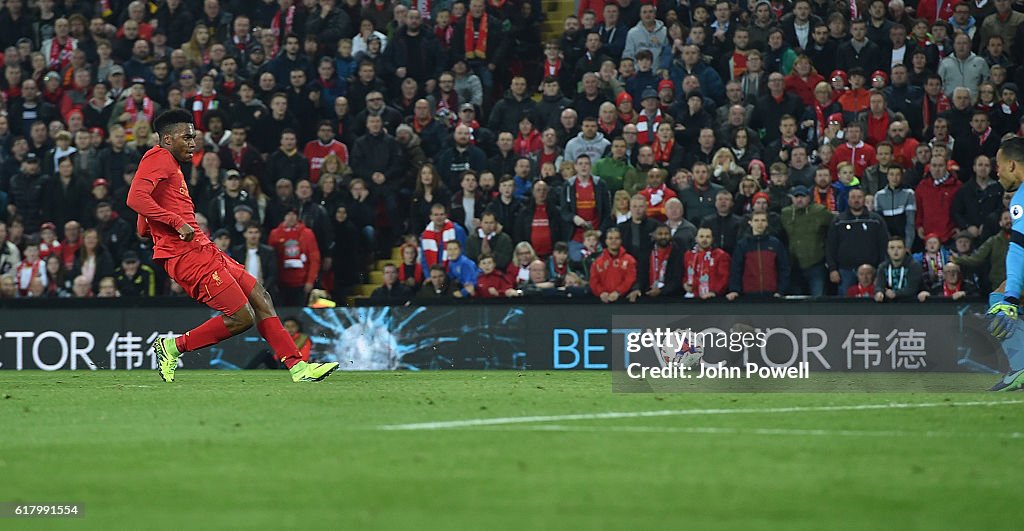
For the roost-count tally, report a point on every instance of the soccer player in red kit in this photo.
(166, 213)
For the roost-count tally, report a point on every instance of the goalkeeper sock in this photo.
(1013, 346)
(209, 333)
(280, 342)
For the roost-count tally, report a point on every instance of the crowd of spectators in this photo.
(653, 150)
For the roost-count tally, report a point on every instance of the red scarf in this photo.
(644, 130)
(552, 69)
(434, 243)
(699, 268)
(132, 108)
(984, 136)
(238, 156)
(820, 119)
(861, 292)
(201, 104)
(275, 27)
(948, 292)
(417, 273)
(941, 105)
(476, 41)
(662, 155)
(659, 263)
(739, 64)
(60, 54)
(444, 36)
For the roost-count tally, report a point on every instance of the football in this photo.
(679, 352)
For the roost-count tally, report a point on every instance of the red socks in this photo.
(280, 342)
(211, 332)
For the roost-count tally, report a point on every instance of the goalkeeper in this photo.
(1005, 300)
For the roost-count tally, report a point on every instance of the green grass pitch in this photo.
(251, 450)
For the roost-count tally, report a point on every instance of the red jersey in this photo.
(540, 231)
(858, 291)
(315, 153)
(495, 279)
(160, 196)
(586, 206)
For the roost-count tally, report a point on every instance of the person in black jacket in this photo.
(638, 230)
(725, 225)
(26, 192)
(857, 236)
(315, 217)
(770, 108)
(347, 244)
(64, 194)
(286, 162)
(506, 207)
(377, 156)
(269, 128)
(659, 272)
(115, 233)
(980, 140)
(259, 259)
(859, 52)
(328, 23)
(977, 199)
(218, 214)
(506, 113)
(415, 53)
(392, 292)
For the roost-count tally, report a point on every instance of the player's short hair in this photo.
(1013, 149)
(168, 119)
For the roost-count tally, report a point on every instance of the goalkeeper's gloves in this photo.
(1002, 319)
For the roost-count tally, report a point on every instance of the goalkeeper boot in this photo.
(166, 357)
(312, 372)
(1013, 381)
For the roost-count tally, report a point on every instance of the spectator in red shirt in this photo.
(585, 202)
(298, 258)
(706, 268)
(855, 151)
(657, 193)
(492, 282)
(316, 150)
(613, 274)
(934, 195)
(865, 286)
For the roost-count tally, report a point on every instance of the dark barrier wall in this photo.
(829, 336)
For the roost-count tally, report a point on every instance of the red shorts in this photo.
(212, 278)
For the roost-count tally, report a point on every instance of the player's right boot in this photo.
(1013, 381)
(312, 372)
(166, 357)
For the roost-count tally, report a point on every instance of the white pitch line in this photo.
(498, 421)
(755, 431)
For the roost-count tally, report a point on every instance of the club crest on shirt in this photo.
(1016, 211)
(216, 278)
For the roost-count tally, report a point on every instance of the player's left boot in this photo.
(312, 372)
(166, 357)
(1013, 381)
